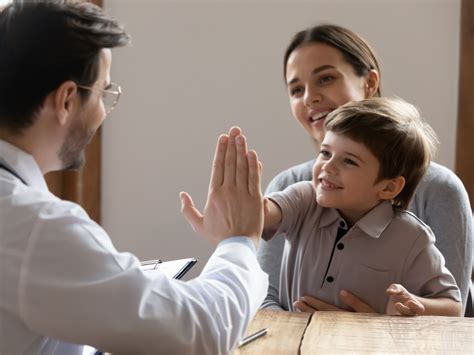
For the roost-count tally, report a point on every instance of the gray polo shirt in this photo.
(387, 245)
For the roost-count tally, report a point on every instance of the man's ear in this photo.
(64, 101)
(372, 83)
(391, 188)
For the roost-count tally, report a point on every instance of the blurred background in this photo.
(195, 68)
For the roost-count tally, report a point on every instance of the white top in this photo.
(63, 283)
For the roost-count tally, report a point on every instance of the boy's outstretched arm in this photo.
(272, 216)
(405, 303)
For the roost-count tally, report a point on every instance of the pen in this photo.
(252, 337)
(151, 262)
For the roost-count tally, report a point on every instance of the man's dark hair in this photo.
(45, 43)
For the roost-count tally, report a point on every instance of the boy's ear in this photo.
(391, 188)
(63, 101)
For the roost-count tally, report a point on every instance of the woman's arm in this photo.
(405, 303)
(441, 202)
(270, 252)
(270, 258)
(401, 302)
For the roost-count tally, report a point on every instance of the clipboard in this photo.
(174, 269)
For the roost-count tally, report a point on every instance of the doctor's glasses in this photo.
(110, 95)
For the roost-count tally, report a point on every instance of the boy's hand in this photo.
(311, 304)
(403, 302)
(234, 203)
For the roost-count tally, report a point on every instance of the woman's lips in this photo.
(316, 119)
(319, 116)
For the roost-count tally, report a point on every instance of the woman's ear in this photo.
(372, 83)
(391, 188)
(64, 97)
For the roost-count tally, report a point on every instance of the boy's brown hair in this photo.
(394, 132)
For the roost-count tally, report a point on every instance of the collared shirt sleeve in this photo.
(76, 287)
(425, 273)
(295, 202)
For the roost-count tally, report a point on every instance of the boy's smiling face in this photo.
(345, 175)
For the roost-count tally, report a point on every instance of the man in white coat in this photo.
(62, 282)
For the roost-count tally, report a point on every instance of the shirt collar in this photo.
(329, 216)
(377, 219)
(373, 223)
(23, 164)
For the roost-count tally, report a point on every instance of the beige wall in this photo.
(197, 67)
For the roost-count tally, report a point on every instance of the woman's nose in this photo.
(311, 97)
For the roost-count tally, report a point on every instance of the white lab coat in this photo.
(63, 284)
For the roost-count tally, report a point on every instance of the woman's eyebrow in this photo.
(322, 68)
(315, 71)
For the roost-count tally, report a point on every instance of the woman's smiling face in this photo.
(319, 80)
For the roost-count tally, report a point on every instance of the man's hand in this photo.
(311, 304)
(234, 204)
(403, 302)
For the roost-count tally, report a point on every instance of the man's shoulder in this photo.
(38, 203)
(297, 173)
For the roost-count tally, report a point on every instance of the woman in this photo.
(325, 67)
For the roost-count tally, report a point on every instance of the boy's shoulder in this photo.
(300, 193)
(410, 225)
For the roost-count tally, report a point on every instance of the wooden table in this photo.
(285, 331)
(358, 333)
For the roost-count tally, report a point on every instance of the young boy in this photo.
(348, 229)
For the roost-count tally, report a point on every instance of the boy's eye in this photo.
(324, 153)
(350, 162)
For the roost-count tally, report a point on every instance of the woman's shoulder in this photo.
(297, 173)
(439, 190)
(438, 179)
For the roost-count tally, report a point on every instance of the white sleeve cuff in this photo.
(240, 240)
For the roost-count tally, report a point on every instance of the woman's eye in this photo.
(325, 79)
(296, 91)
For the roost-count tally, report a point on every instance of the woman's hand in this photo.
(403, 302)
(311, 304)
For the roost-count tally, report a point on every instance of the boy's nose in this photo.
(330, 166)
